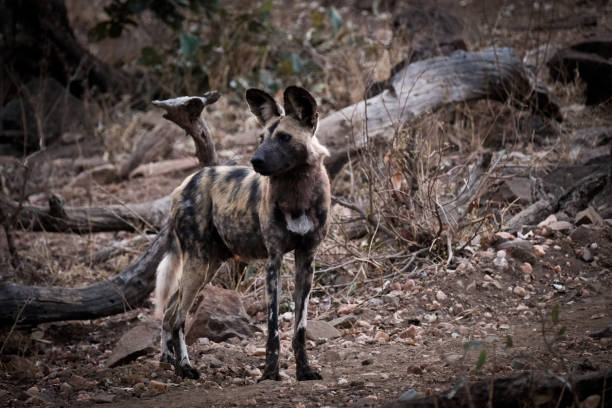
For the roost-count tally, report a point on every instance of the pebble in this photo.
(441, 296)
(346, 308)
(521, 307)
(430, 317)
(342, 381)
(395, 286)
(255, 372)
(557, 268)
(261, 351)
(410, 332)
(381, 336)
(33, 390)
(157, 386)
(457, 308)
(363, 323)
(409, 395)
(409, 285)
(519, 291)
(586, 255)
(527, 268)
(83, 397)
(504, 235)
(539, 250)
(549, 220)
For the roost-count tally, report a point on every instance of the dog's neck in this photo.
(295, 191)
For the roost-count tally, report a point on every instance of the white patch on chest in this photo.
(300, 225)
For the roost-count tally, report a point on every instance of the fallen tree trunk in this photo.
(85, 220)
(524, 390)
(29, 305)
(425, 86)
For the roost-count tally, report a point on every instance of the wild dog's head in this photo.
(288, 139)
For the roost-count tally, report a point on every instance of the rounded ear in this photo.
(300, 105)
(262, 105)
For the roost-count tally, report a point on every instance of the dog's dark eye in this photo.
(285, 137)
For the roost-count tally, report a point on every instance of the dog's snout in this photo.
(257, 162)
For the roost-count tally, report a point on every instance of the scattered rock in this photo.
(319, 329)
(83, 397)
(504, 235)
(261, 351)
(342, 381)
(526, 268)
(33, 390)
(103, 398)
(346, 308)
(603, 333)
(539, 250)
(441, 296)
(549, 220)
(586, 255)
(136, 342)
(519, 291)
(157, 386)
(592, 401)
(344, 322)
(560, 226)
(589, 216)
(219, 316)
(381, 336)
(409, 395)
(80, 383)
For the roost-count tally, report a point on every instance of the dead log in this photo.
(29, 305)
(424, 86)
(525, 390)
(84, 220)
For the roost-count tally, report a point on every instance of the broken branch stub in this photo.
(186, 112)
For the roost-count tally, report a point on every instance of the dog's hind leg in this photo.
(195, 274)
(273, 289)
(303, 284)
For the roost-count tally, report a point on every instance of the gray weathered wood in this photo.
(427, 85)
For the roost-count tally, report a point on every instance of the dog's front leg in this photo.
(303, 284)
(273, 286)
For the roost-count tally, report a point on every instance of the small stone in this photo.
(342, 381)
(83, 397)
(588, 216)
(526, 268)
(586, 255)
(139, 386)
(592, 401)
(319, 329)
(66, 388)
(255, 372)
(157, 386)
(409, 395)
(521, 308)
(549, 220)
(409, 285)
(539, 250)
(346, 308)
(430, 317)
(519, 291)
(260, 351)
(457, 308)
(504, 235)
(441, 296)
(33, 390)
(411, 332)
(594, 246)
(557, 248)
(103, 398)
(396, 286)
(381, 336)
(363, 323)
(80, 383)
(560, 226)
(557, 268)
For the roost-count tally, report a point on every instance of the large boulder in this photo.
(219, 315)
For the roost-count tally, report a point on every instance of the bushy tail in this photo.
(168, 273)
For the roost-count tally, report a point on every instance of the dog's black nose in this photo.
(257, 162)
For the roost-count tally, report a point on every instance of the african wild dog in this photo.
(232, 211)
